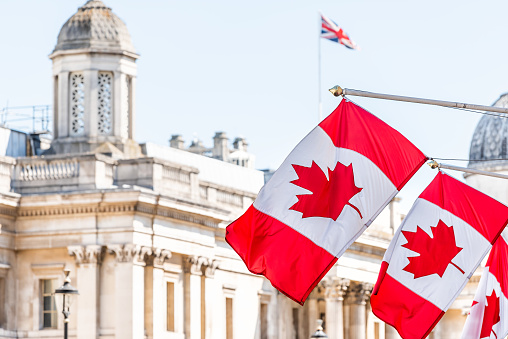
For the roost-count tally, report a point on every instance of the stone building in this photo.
(142, 226)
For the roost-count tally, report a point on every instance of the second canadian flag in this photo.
(439, 245)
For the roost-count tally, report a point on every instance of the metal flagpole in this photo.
(435, 164)
(320, 107)
(338, 91)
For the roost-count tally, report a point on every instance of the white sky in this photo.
(249, 68)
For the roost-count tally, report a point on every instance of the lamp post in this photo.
(319, 331)
(66, 291)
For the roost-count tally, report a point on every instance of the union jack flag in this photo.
(331, 31)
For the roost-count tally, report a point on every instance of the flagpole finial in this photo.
(433, 164)
(336, 90)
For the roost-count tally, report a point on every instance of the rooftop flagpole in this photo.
(338, 91)
(320, 107)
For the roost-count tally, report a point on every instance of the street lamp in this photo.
(319, 331)
(64, 294)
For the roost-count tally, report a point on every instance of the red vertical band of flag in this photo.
(324, 195)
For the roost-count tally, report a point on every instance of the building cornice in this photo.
(103, 202)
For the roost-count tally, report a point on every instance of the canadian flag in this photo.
(489, 313)
(441, 242)
(323, 196)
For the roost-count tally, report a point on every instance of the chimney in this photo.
(176, 141)
(220, 146)
(240, 144)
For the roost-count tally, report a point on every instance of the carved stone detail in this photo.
(211, 266)
(130, 253)
(200, 266)
(194, 264)
(159, 256)
(89, 254)
(335, 287)
(359, 293)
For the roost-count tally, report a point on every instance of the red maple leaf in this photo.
(490, 315)
(435, 253)
(329, 196)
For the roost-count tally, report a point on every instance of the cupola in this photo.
(94, 70)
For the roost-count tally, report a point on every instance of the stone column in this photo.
(193, 271)
(335, 289)
(391, 332)
(357, 297)
(88, 261)
(208, 297)
(312, 313)
(62, 122)
(155, 301)
(129, 281)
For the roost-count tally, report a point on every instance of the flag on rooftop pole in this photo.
(489, 313)
(331, 31)
(324, 195)
(441, 242)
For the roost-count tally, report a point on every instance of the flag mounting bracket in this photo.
(336, 91)
(433, 164)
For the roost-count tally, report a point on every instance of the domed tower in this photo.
(94, 70)
(489, 152)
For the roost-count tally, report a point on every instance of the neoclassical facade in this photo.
(141, 227)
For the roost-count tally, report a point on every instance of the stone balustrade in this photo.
(60, 173)
(179, 181)
(47, 170)
(160, 175)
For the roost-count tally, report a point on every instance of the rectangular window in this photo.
(229, 318)
(48, 306)
(170, 302)
(263, 315)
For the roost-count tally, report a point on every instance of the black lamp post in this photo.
(319, 331)
(66, 291)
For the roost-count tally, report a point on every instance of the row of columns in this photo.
(198, 282)
(139, 268)
(346, 308)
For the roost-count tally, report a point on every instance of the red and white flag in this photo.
(324, 195)
(489, 313)
(441, 242)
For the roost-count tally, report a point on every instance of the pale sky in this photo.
(249, 68)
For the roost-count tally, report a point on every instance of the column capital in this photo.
(335, 287)
(359, 293)
(130, 253)
(200, 265)
(211, 266)
(194, 264)
(159, 256)
(89, 254)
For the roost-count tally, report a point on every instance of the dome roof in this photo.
(95, 27)
(489, 142)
